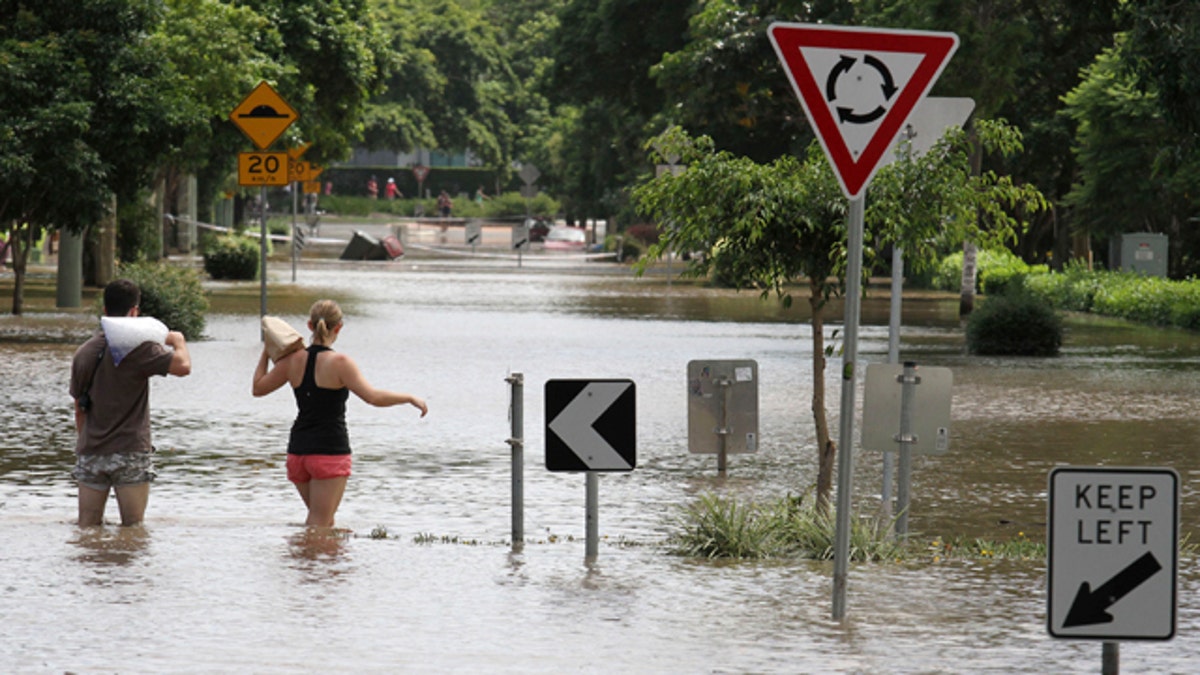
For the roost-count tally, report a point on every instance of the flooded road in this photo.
(224, 579)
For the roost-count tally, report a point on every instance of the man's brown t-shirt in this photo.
(119, 420)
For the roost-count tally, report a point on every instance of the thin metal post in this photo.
(854, 251)
(593, 515)
(723, 426)
(909, 382)
(1111, 659)
(295, 208)
(894, 307)
(516, 383)
(262, 248)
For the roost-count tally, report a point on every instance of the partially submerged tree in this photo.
(765, 226)
(89, 105)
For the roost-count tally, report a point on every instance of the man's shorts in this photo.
(118, 469)
(304, 468)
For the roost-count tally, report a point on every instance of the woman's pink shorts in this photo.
(303, 468)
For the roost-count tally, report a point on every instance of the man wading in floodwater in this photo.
(112, 413)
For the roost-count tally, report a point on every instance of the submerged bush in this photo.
(232, 256)
(170, 294)
(1014, 325)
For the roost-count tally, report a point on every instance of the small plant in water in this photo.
(379, 532)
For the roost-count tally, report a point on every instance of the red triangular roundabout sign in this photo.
(858, 86)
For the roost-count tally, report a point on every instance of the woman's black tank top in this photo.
(320, 426)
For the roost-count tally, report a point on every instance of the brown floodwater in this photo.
(224, 579)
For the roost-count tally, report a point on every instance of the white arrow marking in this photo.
(574, 426)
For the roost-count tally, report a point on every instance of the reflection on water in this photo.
(221, 552)
(111, 546)
(320, 554)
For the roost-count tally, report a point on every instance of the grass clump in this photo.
(723, 527)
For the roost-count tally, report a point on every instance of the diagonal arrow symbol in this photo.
(1091, 607)
(575, 425)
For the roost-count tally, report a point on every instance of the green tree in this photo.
(765, 225)
(336, 58)
(89, 106)
(726, 81)
(602, 55)
(452, 84)
(1124, 139)
(221, 51)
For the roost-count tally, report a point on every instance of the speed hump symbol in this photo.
(263, 115)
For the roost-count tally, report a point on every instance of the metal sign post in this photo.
(906, 410)
(908, 384)
(262, 249)
(833, 71)
(1113, 541)
(592, 525)
(263, 116)
(516, 442)
(591, 427)
(841, 544)
(722, 408)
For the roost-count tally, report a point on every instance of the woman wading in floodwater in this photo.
(318, 460)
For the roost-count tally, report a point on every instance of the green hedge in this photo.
(1125, 295)
(507, 205)
(995, 271)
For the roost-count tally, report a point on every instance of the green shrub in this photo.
(1008, 276)
(1002, 263)
(170, 294)
(1014, 325)
(511, 204)
(232, 256)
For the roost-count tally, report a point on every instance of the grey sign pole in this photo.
(723, 430)
(592, 548)
(1110, 658)
(295, 212)
(894, 307)
(262, 246)
(908, 385)
(854, 251)
(516, 413)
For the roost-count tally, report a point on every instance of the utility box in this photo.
(1140, 252)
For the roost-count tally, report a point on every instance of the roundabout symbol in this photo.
(849, 114)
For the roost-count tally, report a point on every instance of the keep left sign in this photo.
(1113, 553)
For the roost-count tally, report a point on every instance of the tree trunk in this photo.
(21, 242)
(966, 302)
(826, 449)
